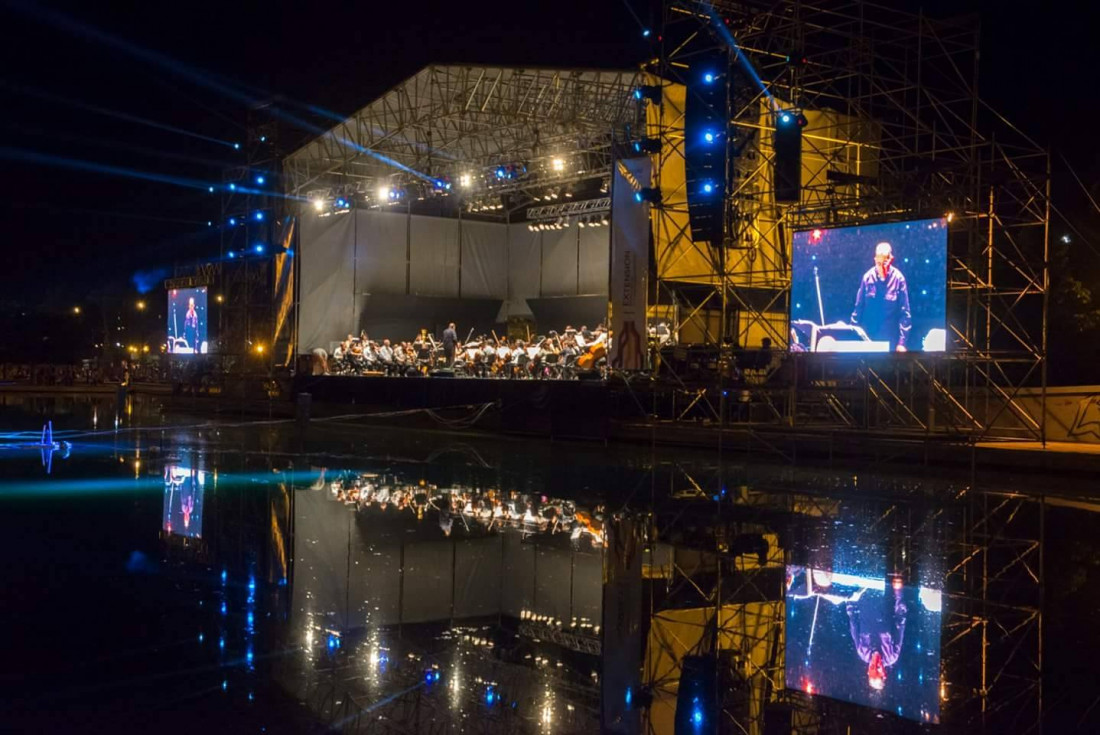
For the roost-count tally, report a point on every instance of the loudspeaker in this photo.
(696, 706)
(706, 143)
(788, 155)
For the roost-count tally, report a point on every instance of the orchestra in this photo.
(552, 356)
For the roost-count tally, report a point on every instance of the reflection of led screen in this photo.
(867, 640)
(844, 300)
(183, 489)
(187, 317)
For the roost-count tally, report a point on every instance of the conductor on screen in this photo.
(882, 301)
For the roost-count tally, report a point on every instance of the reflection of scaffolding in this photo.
(725, 602)
(896, 131)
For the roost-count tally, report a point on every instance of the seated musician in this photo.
(385, 356)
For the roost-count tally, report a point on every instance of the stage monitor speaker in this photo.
(788, 155)
(442, 373)
(590, 376)
(696, 704)
(706, 145)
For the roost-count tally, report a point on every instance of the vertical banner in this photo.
(283, 341)
(629, 263)
(620, 698)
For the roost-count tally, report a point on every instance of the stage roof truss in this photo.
(455, 120)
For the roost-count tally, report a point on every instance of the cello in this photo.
(592, 355)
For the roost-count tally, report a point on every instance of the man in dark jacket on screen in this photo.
(882, 301)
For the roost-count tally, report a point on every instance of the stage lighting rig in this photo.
(648, 92)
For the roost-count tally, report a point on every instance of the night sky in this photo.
(69, 235)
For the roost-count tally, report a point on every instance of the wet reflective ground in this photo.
(180, 574)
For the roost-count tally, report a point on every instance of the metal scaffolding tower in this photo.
(896, 131)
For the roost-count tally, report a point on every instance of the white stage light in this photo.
(558, 165)
(464, 181)
(384, 193)
(318, 205)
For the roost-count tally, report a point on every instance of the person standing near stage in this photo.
(450, 339)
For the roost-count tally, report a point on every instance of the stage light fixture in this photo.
(645, 33)
(259, 248)
(1066, 239)
(648, 92)
(501, 172)
(232, 221)
(465, 180)
(260, 180)
(209, 223)
(558, 165)
(318, 205)
(232, 186)
(263, 138)
(259, 216)
(709, 77)
(709, 136)
(210, 189)
(383, 193)
(647, 145)
(232, 254)
(341, 203)
(708, 187)
(236, 146)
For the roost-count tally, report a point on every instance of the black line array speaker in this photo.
(706, 144)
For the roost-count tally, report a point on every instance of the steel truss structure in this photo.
(243, 294)
(986, 546)
(444, 133)
(896, 131)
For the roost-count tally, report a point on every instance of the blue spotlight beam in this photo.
(56, 99)
(76, 164)
(195, 75)
(742, 57)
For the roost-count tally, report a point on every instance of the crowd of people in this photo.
(550, 356)
(483, 510)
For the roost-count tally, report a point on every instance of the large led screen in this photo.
(183, 491)
(873, 288)
(187, 320)
(867, 640)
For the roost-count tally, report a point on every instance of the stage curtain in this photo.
(484, 260)
(524, 267)
(434, 262)
(381, 252)
(595, 258)
(559, 262)
(327, 303)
